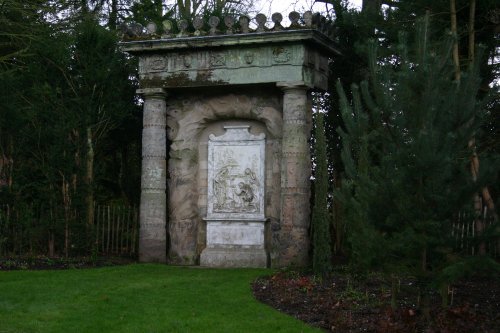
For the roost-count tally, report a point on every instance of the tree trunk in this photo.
(371, 6)
(51, 232)
(456, 60)
(113, 15)
(478, 203)
(485, 193)
(472, 34)
(424, 259)
(67, 209)
(10, 169)
(89, 179)
(51, 243)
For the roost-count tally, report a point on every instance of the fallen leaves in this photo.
(338, 304)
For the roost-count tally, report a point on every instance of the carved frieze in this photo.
(157, 63)
(249, 56)
(217, 59)
(281, 55)
(229, 59)
(186, 60)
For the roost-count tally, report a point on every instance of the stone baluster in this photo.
(308, 19)
(167, 29)
(183, 26)
(294, 20)
(151, 28)
(198, 26)
(244, 22)
(213, 22)
(261, 20)
(229, 23)
(153, 209)
(295, 175)
(277, 18)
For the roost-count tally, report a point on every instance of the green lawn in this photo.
(137, 298)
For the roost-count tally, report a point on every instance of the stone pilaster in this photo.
(295, 176)
(153, 209)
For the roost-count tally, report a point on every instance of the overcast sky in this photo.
(286, 6)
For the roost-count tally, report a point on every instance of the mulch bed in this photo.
(342, 303)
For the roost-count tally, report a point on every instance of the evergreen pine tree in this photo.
(320, 221)
(406, 159)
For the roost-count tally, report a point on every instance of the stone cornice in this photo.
(152, 92)
(312, 36)
(298, 85)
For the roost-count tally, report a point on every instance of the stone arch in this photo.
(187, 118)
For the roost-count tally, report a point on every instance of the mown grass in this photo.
(137, 298)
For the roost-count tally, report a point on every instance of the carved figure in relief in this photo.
(246, 194)
(235, 191)
(220, 185)
(251, 178)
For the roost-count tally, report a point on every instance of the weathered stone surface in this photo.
(236, 183)
(183, 217)
(235, 234)
(152, 233)
(153, 175)
(258, 80)
(241, 257)
(154, 141)
(295, 178)
(152, 210)
(309, 21)
(298, 55)
(192, 120)
(236, 174)
(183, 241)
(152, 250)
(293, 244)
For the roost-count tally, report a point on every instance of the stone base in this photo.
(152, 250)
(235, 243)
(234, 257)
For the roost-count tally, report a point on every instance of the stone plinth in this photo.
(234, 243)
(234, 257)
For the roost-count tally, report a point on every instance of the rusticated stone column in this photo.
(153, 209)
(295, 176)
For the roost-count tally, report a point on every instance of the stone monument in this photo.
(227, 118)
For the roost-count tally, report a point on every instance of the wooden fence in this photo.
(116, 229)
(30, 230)
(466, 229)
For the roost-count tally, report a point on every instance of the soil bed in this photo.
(343, 303)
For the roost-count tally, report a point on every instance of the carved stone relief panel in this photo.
(154, 63)
(281, 55)
(230, 59)
(236, 175)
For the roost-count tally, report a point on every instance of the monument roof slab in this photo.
(195, 59)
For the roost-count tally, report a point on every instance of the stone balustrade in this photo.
(229, 26)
